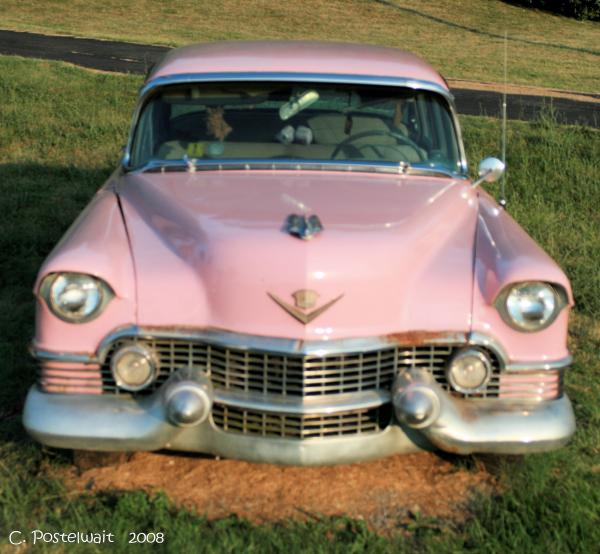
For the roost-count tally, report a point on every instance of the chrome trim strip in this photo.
(541, 366)
(121, 332)
(47, 355)
(464, 166)
(322, 405)
(247, 342)
(258, 76)
(245, 164)
(272, 344)
(183, 78)
(479, 339)
(295, 346)
(106, 295)
(500, 304)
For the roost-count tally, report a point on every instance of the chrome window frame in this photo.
(150, 87)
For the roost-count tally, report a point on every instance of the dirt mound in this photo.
(386, 493)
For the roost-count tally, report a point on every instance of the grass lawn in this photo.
(61, 132)
(460, 38)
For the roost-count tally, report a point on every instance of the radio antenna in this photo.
(503, 179)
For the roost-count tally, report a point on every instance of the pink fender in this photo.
(506, 254)
(95, 244)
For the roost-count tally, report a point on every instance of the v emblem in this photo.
(303, 317)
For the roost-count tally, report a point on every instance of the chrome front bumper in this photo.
(111, 423)
(466, 426)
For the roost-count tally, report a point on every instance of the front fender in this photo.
(96, 244)
(505, 254)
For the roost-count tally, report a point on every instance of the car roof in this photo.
(295, 57)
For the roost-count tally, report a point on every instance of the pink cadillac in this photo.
(291, 265)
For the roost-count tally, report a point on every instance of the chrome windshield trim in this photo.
(328, 404)
(258, 76)
(464, 166)
(243, 164)
(183, 78)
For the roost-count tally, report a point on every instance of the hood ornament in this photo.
(305, 300)
(303, 227)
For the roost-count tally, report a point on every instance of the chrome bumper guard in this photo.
(177, 417)
(464, 427)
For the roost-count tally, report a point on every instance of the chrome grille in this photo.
(303, 375)
(263, 424)
(296, 374)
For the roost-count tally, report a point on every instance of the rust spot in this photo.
(151, 330)
(408, 338)
(414, 338)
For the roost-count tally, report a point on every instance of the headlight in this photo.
(531, 306)
(469, 370)
(75, 297)
(133, 367)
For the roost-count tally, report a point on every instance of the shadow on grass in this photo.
(551, 500)
(38, 203)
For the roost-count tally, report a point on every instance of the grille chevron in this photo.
(295, 375)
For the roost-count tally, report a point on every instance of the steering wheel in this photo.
(377, 133)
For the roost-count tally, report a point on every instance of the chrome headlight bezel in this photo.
(145, 353)
(48, 294)
(502, 305)
(475, 353)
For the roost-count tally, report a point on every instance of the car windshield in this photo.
(299, 122)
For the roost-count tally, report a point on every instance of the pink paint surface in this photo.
(398, 249)
(296, 57)
(71, 378)
(544, 385)
(505, 254)
(209, 246)
(97, 244)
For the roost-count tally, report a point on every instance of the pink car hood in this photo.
(209, 248)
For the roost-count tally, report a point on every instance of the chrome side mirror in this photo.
(489, 170)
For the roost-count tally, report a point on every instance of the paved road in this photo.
(126, 57)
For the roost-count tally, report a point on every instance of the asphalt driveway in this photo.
(125, 57)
